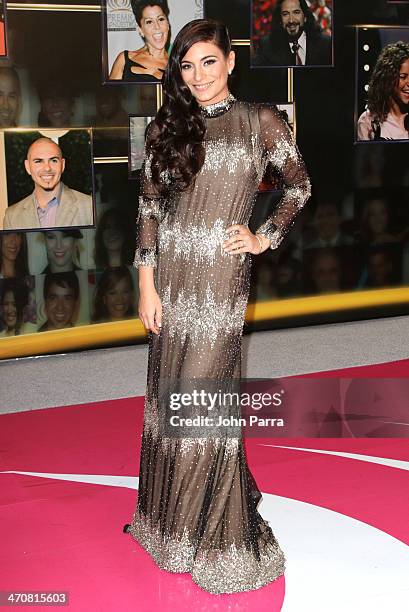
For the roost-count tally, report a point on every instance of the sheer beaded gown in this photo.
(197, 503)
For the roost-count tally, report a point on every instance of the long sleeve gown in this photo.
(197, 501)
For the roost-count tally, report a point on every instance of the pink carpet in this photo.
(59, 535)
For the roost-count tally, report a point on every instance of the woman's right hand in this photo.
(150, 310)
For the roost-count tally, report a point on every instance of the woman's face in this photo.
(60, 250)
(118, 299)
(402, 86)
(112, 236)
(154, 27)
(377, 217)
(9, 310)
(58, 110)
(10, 246)
(205, 70)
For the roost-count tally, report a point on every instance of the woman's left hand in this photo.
(244, 241)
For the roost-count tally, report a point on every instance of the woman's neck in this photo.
(156, 53)
(114, 259)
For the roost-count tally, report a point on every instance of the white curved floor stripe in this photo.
(130, 482)
(396, 463)
(334, 563)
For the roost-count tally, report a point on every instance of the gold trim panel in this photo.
(73, 8)
(110, 160)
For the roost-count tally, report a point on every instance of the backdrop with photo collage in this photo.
(352, 235)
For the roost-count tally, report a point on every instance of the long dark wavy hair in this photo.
(384, 78)
(311, 26)
(175, 138)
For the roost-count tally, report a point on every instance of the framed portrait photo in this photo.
(291, 33)
(3, 29)
(137, 36)
(46, 179)
(382, 84)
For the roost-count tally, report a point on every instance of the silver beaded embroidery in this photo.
(174, 554)
(150, 208)
(229, 445)
(195, 242)
(145, 257)
(233, 157)
(236, 569)
(270, 230)
(202, 320)
(164, 175)
(150, 211)
(218, 108)
(229, 570)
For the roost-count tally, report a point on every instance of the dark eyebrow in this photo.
(42, 158)
(201, 59)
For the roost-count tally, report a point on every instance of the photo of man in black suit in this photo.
(295, 39)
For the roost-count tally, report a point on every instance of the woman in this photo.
(205, 155)
(114, 297)
(376, 222)
(13, 255)
(14, 297)
(113, 240)
(62, 248)
(148, 63)
(386, 117)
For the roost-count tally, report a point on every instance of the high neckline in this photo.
(218, 108)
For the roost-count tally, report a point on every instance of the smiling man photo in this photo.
(51, 204)
(295, 38)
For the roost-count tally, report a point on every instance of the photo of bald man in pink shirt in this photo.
(52, 204)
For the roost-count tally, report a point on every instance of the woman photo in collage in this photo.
(17, 306)
(114, 296)
(386, 115)
(152, 24)
(148, 63)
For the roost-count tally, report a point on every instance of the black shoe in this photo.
(126, 528)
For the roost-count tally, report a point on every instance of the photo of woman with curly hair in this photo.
(386, 115)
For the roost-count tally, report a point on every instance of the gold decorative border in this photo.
(73, 8)
(91, 336)
(110, 160)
